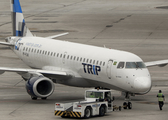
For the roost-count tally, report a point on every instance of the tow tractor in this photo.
(97, 102)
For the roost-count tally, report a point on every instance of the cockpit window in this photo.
(130, 65)
(135, 65)
(121, 65)
(141, 65)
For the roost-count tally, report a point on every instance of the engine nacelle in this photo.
(40, 87)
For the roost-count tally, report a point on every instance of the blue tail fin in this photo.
(18, 22)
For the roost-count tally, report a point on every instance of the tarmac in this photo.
(137, 26)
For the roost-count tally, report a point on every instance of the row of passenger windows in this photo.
(64, 56)
(131, 65)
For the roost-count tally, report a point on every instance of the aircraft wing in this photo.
(55, 36)
(160, 63)
(26, 73)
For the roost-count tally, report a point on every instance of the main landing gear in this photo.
(127, 104)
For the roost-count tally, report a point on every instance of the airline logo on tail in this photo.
(19, 27)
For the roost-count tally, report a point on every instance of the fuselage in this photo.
(91, 66)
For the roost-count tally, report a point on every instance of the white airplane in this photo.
(55, 61)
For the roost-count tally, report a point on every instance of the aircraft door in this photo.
(108, 70)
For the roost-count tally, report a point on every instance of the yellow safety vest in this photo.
(160, 97)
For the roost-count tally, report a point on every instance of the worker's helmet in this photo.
(160, 91)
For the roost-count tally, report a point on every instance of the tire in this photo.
(87, 113)
(129, 105)
(44, 98)
(102, 111)
(119, 108)
(125, 105)
(33, 98)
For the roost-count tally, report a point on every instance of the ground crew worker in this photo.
(161, 99)
(92, 96)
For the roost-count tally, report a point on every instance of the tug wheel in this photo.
(102, 111)
(87, 112)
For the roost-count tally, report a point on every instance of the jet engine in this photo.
(39, 87)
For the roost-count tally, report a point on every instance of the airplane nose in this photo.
(142, 84)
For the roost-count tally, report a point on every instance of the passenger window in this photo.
(61, 56)
(46, 53)
(84, 60)
(64, 56)
(23, 48)
(77, 58)
(32, 50)
(80, 59)
(74, 58)
(54, 54)
(51, 53)
(87, 60)
(91, 61)
(104, 64)
(68, 57)
(121, 65)
(40, 51)
(97, 62)
(100, 62)
(35, 51)
(94, 62)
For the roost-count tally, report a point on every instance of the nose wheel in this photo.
(127, 105)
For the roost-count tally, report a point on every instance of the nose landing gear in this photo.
(129, 104)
